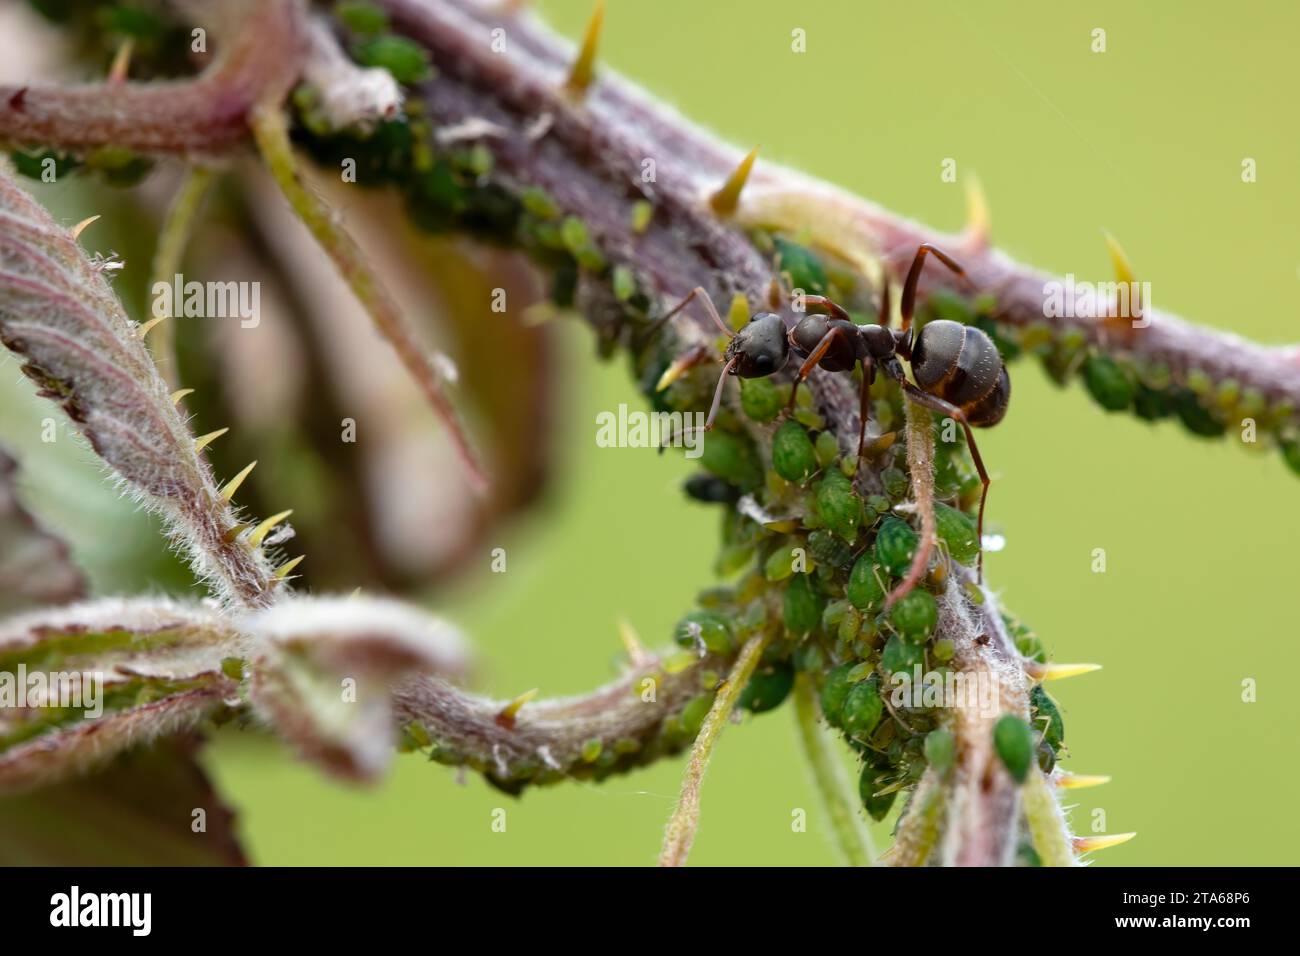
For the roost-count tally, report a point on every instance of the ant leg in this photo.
(810, 363)
(709, 307)
(832, 307)
(914, 276)
(713, 409)
(957, 415)
(864, 410)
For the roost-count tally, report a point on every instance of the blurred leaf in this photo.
(35, 568)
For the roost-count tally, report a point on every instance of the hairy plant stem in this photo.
(851, 838)
(922, 823)
(177, 228)
(269, 130)
(685, 820)
(1047, 827)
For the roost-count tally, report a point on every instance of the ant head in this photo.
(881, 342)
(760, 347)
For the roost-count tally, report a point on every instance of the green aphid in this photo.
(866, 588)
(872, 780)
(956, 530)
(733, 458)
(944, 649)
(361, 17)
(827, 447)
(940, 751)
(405, 59)
(1014, 742)
(1047, 717)
(623, 282)
(802, 605)
(839, 508)
(709, 628)
(862, 709)
(591, 750)
(761, 399)
(801, 265)
(538, 201)
(828, 550)
(1151, 404)
(233, 667)
(1196, 417)
(642, 213)
(693, 714)
(779, 565)
(1109, 384)
(850, 626)
(1045, 755)
(900, 656)
(834, 691)
(896, 544)
(1291, 455)
(896, 483)
(793, 455)
(768, 688)
(915, 615)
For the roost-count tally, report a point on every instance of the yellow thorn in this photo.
(235, 532)
(738, 313)
(584, 67)
(979, 224)
(203, 441)
(262, 530)
(283, 570)
(1079, 781)
(180, 393)
(1104, 842)
(233, 484)
(680, 366)
(1123, 270)
(636, 651)
(148, 326)
(725, 200)
(1046, 672)
(80, 227)
(121, 63)
(506, 716)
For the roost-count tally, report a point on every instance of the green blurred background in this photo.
(1146, 140)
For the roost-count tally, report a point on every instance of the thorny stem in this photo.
(174, 236)
(922, 823)
(851, 838)
(1046, 822)
(685, 820)
(269, 130)
(202, 117)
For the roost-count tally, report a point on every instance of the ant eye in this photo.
(763, 362)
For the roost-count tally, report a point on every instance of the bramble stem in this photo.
(686, 817)
(173, 237)
(269, 130)
(851, 838)
(918, 831)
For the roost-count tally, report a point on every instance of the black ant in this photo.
(957, 367)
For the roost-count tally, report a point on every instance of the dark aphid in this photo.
(958, 369)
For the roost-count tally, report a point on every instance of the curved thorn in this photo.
(1104, 842)
(283, 570)
(1046, 672)
(117, 73)
(727, 198)
(180, 393)
(636, 651)
(262, 530)
(584, 67)
(1123, 269)
(1079, 781)
(979, 223)
(203, 441)
(233, 484)
(148, 327)
(506, 716)
(80, 227)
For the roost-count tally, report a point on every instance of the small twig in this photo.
(686, 817)
(272, 138)
(173, 237)
(851, 838)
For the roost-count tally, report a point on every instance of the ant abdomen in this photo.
(960, 364)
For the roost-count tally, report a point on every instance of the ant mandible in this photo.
(958, 370)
